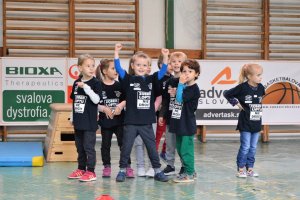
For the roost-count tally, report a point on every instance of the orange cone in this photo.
(104, 197)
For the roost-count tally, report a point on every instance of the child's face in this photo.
(190, 74)
(256, 77)
(175, 63)
(140, 66)
(87, 68)
(111, 72)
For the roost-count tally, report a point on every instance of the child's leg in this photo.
(185, 149)
(139, 152)
(119, 134)
(105, 146)
(252, 150)
(89, 147)
(171, 147)
(147, 135)
(160, 129)
(163, 150)
(129, 135)
(80, 150)
(241, 159)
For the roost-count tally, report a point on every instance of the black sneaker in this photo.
(161, 177)
(182, 171)
(169, 170)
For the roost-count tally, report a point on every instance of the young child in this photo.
(85, 95)
(139, 145)
(111, 113)
(183, 119)
(248, 96)
(139, 114)
(176, 59)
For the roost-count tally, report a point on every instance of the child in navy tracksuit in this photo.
(111, 114)
(85, 95)
(139, 114)
(248, 97)
(183, 119)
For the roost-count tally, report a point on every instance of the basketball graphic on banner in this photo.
(282, 93)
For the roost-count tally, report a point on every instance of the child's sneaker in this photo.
(106, 172)
(184, 178)
(169, 170)
(161, 177)
(76, 174)
(241, 174)
(129, 172)
(163, 157)
(150, 173)
(251, 173)
(182, 171)
(141, 172)
(88, 176)
(121, 176)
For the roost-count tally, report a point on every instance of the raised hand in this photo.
(118, 47)
(183, 78)
(165, 51)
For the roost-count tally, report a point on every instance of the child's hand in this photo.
(80, 84)
(108, 112)
(172, 91)
(183, 78)
(118, 47)
(165, 53)
(160, 121)
(240, 106)
(117, 111)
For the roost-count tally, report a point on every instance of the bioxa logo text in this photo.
(32, 71)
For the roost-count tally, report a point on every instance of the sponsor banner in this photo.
(29, 86)
(281, 80)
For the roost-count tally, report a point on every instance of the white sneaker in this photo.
(150, 172)
(251, 173)
(241, 174)
(141, 172)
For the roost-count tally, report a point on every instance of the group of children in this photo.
(169, 97)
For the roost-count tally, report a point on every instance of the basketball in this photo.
(282, 93)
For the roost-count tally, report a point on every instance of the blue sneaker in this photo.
(121, 176)
(161, 177)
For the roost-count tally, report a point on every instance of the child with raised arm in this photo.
(140, 113)
(85, 95)
(111, 114)
(248, 97)
(183, 119)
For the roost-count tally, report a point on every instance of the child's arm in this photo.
(157, 102)
(106, 110)
(87, 89)
(231, 94)
(164, 67)
(119, 108)
(181, 87)
(118, 67)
